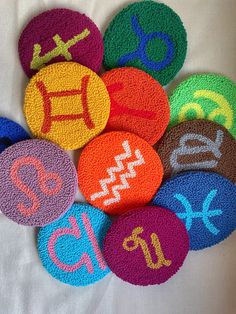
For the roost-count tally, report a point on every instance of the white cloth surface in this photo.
(206, 284)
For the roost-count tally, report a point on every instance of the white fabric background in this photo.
(207, 282)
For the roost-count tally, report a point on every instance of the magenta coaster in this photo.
(37, 182)
(60, 35)
(146, 246)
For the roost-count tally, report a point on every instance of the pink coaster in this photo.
(146, 246)
(60, 35)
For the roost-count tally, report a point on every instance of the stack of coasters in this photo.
(139, 104)
(149, 36)
(205, 201)
(146, 246)
(198, 145)
(205, 96)
(11, 133)
(66, 103)
(70, 248)
(119, 171)
(60, 35)
(37, 182)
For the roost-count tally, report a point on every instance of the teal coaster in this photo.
(205, 96)
(70, 248)
(149, 36)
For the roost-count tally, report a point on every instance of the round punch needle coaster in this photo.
(11, 133)
(205, 96)
(139, 104)
(60, 35)
(118, 171)
(140, 36)
(71, 248)
(205, 201)
(37, 182)
(198, 145)
(146, 246)
(67, 104)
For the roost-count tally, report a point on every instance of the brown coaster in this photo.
(198, 145)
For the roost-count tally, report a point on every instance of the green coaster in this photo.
(149, 36)
(205, 96)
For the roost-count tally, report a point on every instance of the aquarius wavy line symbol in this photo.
(138, 241)
(205, 214)
(61, 49)
(224, 108)
(123, 177)
(208, 145)
(140, 53)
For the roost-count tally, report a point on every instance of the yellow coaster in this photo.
(66, 103)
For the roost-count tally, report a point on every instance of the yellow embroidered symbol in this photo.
(61, 49)
(138, 241)
(224, 108)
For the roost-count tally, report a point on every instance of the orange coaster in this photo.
(66, 103)
(119, 171)
(139, 104)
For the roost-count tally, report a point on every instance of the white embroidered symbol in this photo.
(131, 173)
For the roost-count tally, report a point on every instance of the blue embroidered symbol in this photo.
(189, 215)
(140, 53)
(5, 142)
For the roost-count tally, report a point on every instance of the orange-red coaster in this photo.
(139, 104)
(119, 171)
(66, 103)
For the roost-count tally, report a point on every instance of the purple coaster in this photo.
(146, 246)
(37, 182)
(60, 35)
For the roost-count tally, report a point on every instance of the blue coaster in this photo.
(70, 248)
(205, 201)
(11, 133)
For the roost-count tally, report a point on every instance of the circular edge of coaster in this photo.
(36, 16)
(143, 209)
(35, 140)
(40, 234)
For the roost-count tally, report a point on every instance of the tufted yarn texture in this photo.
(205, 96)
(37, 182)
(66, 103)
(198, 145)
(71, 248)
(146, 246)
(118, 171)
(149, 36)
(11, 133)
(205, 201)
(60, 35)
(139, 104)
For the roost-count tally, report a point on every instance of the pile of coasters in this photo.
(163, 167)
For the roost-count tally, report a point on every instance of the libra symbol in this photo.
(205, 214)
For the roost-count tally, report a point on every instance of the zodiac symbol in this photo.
(140, 53)
(183, 149)
(119, 110)
(47, 104)
(131, 173)
(189, 215)
(138, 241)
(61, 49)
(75, 232)
(224, 108)
(43, 177)
(5, 141)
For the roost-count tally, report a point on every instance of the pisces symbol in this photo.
(138, 241)
(141, 54)
(205, 214)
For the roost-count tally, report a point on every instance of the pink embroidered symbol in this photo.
(43, 178)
